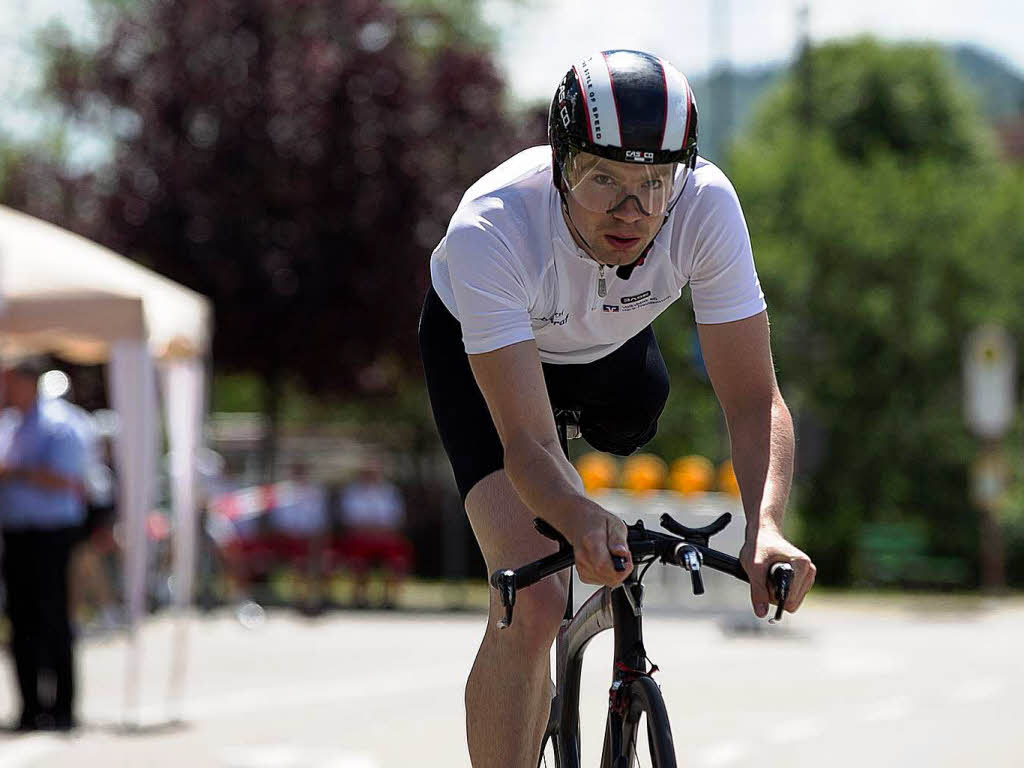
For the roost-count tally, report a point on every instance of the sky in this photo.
(540, 39)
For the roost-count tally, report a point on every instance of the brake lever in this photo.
(781, 575)
(689, 557)
(505, 583)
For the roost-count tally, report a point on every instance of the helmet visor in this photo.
(603, 185)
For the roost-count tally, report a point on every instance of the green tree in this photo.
(883, 232)
(295, 162)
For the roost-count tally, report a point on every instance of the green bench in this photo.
(895, 554)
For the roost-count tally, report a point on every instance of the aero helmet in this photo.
(623, 105)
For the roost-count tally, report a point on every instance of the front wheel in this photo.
(646, 734)
(549, 756)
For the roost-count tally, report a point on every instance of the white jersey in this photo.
(509, 270)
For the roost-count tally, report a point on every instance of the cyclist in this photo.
(543, 292)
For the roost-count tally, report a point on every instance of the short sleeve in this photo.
(66, 454)
(490, 289)
(723, 283)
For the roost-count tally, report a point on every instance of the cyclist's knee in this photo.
(538, 613)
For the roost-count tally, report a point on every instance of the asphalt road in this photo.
(846, 682)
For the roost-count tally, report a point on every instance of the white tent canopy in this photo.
(64, 294)
(69, 295)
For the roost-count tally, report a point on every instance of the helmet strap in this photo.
(575, 230)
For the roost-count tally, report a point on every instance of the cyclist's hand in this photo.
(758, 556)
(596, 535)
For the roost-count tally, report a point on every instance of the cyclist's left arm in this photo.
(738, 359)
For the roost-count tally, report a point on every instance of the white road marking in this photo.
(25, 750)
(895, 708)
(722, 754)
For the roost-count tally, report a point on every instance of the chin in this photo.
(617, 258)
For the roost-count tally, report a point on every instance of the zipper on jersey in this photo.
(602, 286)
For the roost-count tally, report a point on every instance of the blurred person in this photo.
(373, 513)
(42, 487)
(239, 522)
(92, 598)
(543, 293)
(298, 526)
(91, 585)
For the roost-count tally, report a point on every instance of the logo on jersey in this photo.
(637, 301)
(636, 298)
(556, 318)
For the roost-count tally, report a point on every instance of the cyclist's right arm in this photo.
(512, 382)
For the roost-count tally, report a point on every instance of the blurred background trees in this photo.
(298, 162)
(885, 229)
(295, 162)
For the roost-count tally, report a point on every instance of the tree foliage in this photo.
(296, 162)
(883, 233)
(873, 98)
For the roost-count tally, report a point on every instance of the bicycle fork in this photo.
(621, 609)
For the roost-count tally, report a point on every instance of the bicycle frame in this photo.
(620, 608)
(605, 609)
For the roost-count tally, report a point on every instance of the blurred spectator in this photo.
(42, 482)
(373, 513)
(298, 526)
(92, 598)
(235, 525)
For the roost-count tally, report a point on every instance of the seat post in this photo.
(562, 423)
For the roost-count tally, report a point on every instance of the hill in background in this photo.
(997, 85)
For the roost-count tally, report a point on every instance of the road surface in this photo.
(846, 682)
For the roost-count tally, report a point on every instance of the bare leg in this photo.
(509, 687)
(84, 577)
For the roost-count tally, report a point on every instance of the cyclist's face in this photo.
(617, 207)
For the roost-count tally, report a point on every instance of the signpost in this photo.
(990, 385)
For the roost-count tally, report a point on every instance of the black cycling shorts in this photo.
(619, 397)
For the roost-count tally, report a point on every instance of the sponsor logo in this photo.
(611, 308)
(635, 299)
(565, 116)
(588, 86)
(557, 318)
(636, 156)
(640, 302)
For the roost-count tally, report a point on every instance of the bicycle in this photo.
(634, 695)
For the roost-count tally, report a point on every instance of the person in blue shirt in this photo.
(42, 484)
